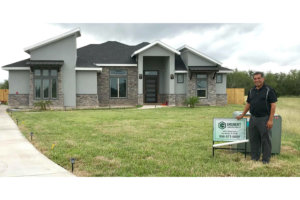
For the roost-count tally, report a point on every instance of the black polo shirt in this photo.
(260, 102)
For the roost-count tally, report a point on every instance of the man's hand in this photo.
(239, 117)
(270, 124)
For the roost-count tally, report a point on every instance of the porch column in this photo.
(171, 81)
(140, 81)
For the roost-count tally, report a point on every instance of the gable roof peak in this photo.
(199, 54)
(153, 44)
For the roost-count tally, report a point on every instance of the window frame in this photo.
(217, 78)
(118, 76)
(48, 77)
(182, 78)
(206, 89)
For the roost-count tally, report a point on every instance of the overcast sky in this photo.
(266, 47)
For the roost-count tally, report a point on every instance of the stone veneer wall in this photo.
(56, 103)
(180, 99)
(18, 100)
(170, 98)
(211, 96)
(221, 99)
(87, 100)
(132, 88)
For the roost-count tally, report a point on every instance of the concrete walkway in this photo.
(18, 157)
(151, 106)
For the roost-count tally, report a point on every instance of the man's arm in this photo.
(270, 121)
(246, 109)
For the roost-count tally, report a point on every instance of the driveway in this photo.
(18, 157)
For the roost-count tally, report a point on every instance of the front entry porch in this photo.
(158, 83)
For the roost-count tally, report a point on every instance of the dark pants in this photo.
(260, 138)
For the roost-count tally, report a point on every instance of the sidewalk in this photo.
(18, 157)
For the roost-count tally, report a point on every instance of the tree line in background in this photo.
(4, 85)
(284, 84)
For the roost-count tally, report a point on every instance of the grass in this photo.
(154, 142)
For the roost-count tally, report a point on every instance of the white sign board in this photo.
(229, 129)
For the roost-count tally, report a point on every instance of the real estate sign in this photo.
(229, 129)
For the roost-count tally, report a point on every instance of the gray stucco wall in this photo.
(64, 49)
(221, 87)
(195, 60)
(86, 82)
(180, 88)
(19, 82)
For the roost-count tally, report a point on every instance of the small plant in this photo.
(42, 104)
(191, 101)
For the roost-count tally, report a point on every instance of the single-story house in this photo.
(113, 73)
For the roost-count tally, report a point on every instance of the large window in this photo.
(118, 83)
(202, 85)
(45, 83)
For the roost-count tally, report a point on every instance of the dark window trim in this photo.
(50, 78)
(221, 78)
(118, 76)
(206, 97)
(182, 78)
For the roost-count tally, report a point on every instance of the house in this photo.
(113, 73)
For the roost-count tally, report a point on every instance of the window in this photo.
(118, 83)
(151, 73)
(45, 83)
(219, 78)
(180, 78)
(202, 85)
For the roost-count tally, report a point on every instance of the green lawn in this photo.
(156, 142)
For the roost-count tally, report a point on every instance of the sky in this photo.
(243, 46)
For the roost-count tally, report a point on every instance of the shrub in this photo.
(191, 101)
(42, 104)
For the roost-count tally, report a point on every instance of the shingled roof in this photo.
(110, 52)
(21, 63)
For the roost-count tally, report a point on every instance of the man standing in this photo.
(262, 103)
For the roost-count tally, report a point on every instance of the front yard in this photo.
(155, 142)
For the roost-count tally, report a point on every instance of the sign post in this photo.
(229, 130)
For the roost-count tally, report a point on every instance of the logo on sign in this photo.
(222, 125)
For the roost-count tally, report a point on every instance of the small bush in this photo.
(42, 104)
(191, 101)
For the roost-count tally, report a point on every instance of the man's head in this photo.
(258, 79)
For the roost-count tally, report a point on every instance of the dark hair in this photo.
(261, 74)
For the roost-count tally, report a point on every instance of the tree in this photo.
(4, 85)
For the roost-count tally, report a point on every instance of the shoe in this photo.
(265, 162)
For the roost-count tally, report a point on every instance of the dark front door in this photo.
(151, 86)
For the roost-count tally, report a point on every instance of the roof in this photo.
(110, 52)
(179, 64)
(225, 70)
(210, 68)
(45, 63)
(153, 44)
(21, 63)
(199, 54)
(75, 32)
(204, 68)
